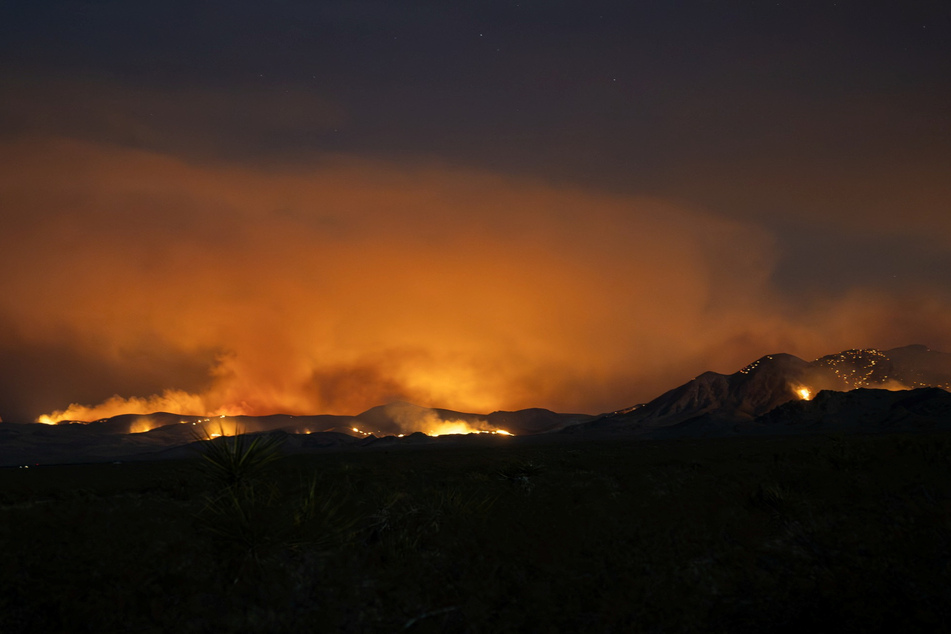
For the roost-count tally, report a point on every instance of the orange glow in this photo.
(176, 401)
(804, 393)
(344, 284)
(417, 284)
(223, 427)
(446, 428)
(141, 425)
(449, 427)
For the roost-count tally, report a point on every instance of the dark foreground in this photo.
(842, 533)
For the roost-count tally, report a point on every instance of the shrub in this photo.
(235, 461)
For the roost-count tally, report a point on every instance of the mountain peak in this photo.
(773, 362)
(775, 379)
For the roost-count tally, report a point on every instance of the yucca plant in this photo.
(243, 513)
(774, 498)
(234, 461)
(321, 514)
(241, 517)
(521, 474)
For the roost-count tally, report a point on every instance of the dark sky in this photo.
(322, 206)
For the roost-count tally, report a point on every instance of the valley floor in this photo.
(843, 533)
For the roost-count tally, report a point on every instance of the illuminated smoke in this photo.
(338, 286)
(411, 418)
(175, 401)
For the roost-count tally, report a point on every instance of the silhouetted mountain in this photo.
(742, 396)
(854, 390)
(402, 417)
(165, 435)
(534, 421)
(714, 402)
(862, 409)
(906, 367)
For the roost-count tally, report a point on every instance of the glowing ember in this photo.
(219, 427)
(142, 425)
(459, 427)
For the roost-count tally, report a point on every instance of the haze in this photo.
(323, 207)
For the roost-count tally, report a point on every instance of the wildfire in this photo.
(804, 393)
(220, 427)
(141, 425)
(446, 428)
(176, 401)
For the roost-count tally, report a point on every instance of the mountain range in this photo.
(907, 388)
(780, 393)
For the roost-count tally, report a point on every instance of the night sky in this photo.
(318, 207)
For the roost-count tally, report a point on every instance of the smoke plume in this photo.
(137, 281)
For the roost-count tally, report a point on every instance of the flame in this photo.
(142, 425)
(177, 401)
(471, 259)
(468, 319)
(804, 393)
(445, 428)
(221, 426)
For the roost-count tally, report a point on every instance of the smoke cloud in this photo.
(135, 281)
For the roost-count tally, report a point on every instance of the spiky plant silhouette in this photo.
(242, 511)
(233, 462)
